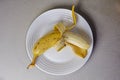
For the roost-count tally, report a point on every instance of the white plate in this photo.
(65, 61)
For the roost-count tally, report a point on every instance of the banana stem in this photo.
(32, 64)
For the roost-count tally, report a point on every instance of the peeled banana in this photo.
(60, 37)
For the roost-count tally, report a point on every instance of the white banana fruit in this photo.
(60, 44)
(75, 39)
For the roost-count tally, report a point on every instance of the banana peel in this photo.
(77, 50)
(44, 44)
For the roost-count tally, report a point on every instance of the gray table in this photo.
(16, 17)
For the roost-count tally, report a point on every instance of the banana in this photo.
(59, 37)
(44, 44)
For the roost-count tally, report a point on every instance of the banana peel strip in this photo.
(74, 19)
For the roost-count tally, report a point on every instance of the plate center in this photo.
(63, 56)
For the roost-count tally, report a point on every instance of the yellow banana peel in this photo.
(44, 44)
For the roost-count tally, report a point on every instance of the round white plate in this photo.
(65, 61)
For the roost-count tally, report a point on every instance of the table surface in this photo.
(103, 17)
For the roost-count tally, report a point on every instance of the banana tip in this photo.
(30, 66)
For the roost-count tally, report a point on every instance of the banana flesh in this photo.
(60, 44)
(75, 39)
